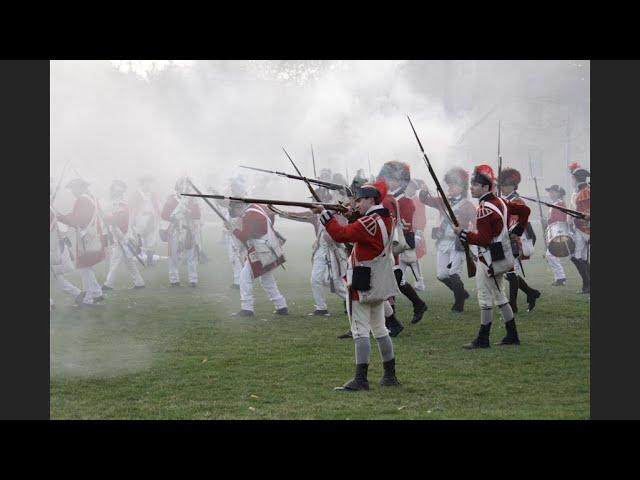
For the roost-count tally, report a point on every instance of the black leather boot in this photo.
(419, 306)
(389, 377)
(512, 278)
(532, 293)
(482, 340)
(359, 382)
(459, 293)
(447, 282)
(583, 270)
(512, 334)
(393, 325)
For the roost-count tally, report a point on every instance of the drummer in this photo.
(556, 217)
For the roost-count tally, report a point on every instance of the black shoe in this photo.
(359, 382)
(512, 334)
(176, 284)
(79, 299)
(243, 313)
(393, 325)
(282, 311)
(389, 378)
(106, 287)
(236, 286)
(395, 330)
(136, 287)
(482, 340)
(346, 335)
(419, 312)
(559, 283)
(531, 300)
(586, 290)
(193, 284)
(98, 299)
(319, 313)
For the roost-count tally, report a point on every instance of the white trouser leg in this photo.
(236, 264)
(89, 284)
(556, 266)
(367, 317)
(488, 292)
(339, 286)
(270, 287)
(192, 265)
(443, 259)
(318, 273)
(246, 287)
(388, 309)
(66, 286)
(174, 261)
(114, 261)
(132, 268)
(581, 240)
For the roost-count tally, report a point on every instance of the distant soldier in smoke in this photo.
(145, 218)
(581, 201)
(90, 244)
(118, 224)
(557, 194)
(183, 215)
(370, 279)
(264, 254)
(397, 176)
(450, 252)
(522, 246)
(493, 240)
(60, 258)
(419, 226)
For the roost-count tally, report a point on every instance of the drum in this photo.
(559, 240)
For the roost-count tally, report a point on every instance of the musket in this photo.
(321, 183)
(313, 159)
(222, 217)
(313, 192)
(338, 207)
(499, 162)
(543, 221)
(471, 266)
(369, 162)
(568, 211)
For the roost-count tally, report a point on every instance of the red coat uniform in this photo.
(582, 202)
(556, 215)
(489, 223)
(171, 204)
(255, 225)
(364, 234)
(79, 218)
(119, 216)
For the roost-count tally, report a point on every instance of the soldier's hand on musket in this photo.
(457, 229)
(317, 208)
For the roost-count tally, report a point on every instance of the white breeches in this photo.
(269, 285)
(320, 273)
(118, 258)
(89, 284)
(367, 317)
(175, 258)
(556, 266)
(65, 285)
(488, 291)
(234, 258)
(447, 254)
(581, 240)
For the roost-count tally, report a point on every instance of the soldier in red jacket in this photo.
(90, 248)
(370, 279)
(183, 215)
(397, 176)
(118, 224)
(582, 228)
(557, 193)
(522, 246)
(492, 239)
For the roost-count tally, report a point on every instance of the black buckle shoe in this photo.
(193, 284)
(319, 313)
(509, 340)
(478, 342)
(175, 284)
(346, 335)
(282, 311)
(559, 283)
(136, 287)
(106, 287)
(80, 298)
(395, 329)
(389, 378)
(531, 300)
(353, 385)
(418, 313)
(243, 313)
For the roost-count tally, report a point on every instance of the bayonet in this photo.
(313, 192)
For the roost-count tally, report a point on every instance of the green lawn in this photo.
(175, 353)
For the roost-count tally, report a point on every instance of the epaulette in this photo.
(370, 224)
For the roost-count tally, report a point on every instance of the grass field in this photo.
(175, 353)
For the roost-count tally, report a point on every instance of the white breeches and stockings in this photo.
(556, 266)
(118, 258)
(320, 272)
(407, 269)
(581, 240)
(89, 284)
(448, 260)
(234, 259)
(175, 257)
(367, 318)
(269, 285)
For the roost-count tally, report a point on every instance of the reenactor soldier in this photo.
(370, 279)
(419, 226)
(85, 218)
(557, 194)
(582, 228)
(145, 218)
(183, 215)
(450, 252)
(494, 254)
(122, 250)
(522, 246)
(264, 254)
(397, 176)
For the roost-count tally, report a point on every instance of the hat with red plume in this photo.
(579, 173)
(483, 174)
